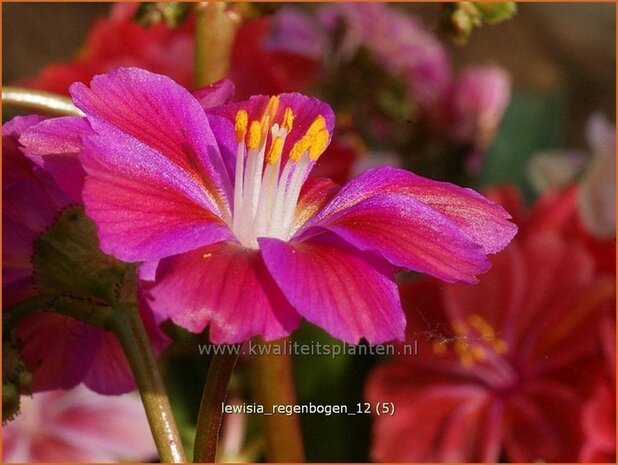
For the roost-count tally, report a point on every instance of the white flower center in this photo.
(266, 196)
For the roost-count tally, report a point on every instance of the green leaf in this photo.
(173, 14)
(16, 380)
(68, 261)
(496, 12)
(532, 123)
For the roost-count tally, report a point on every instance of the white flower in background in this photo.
(596, 197)
(78, 426)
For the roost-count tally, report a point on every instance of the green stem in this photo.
(215, 30)
(43, 102)
(273, 384)
(210, 415)
(130, 331)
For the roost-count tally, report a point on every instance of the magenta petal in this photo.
(60, 349)
(349, 295)
(144, 206)
(16, 167)
(164, 117)
(411, 235)
(54, 145)
(109, 371)
(315, 193)
(484, 222)
(31, 201)
(226, 287)
(226, 142)
(217, 93)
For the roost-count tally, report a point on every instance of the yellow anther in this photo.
(500, 346)
(274, 153)
(271, 107)
(288, 119)
(255, 135)
(267, 118)
(269, 115)
(484, 328)
(466, 359)
(479, 353)
(299, 148)
(459, 327)
(465, 354)
(439, 348)
(318, 124)
(241, 125)
(319, 141)
(314, 141)
(207, 255)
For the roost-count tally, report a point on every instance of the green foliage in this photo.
(68, 261)
(16, 380)
(173, 14)
(495, 12)
(459, 19)
(532, 123)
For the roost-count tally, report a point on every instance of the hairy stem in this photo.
(215, 30)
(130, 331)
(210, 415)
(273, 384)
(43, 102)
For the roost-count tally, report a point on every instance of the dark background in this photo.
(546, 47)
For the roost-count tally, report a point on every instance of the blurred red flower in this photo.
(557, 211)
(598, 418)
(504, 366)
(119, 41)
(512, 367)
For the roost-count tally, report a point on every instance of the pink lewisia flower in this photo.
(78, 426)
(247, 242)
(503, 366)
(63, 351)
(399, 42)
(478, 100)
(467, 108)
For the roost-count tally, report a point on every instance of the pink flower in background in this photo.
(257, 68)
(467, 108)
(595, 200)
(63, 351)
(293, 31)
(78, 426)
(504, 367)
(247, 242)
(477, 103)
(398, 42)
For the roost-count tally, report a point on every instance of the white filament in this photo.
(265, 199)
